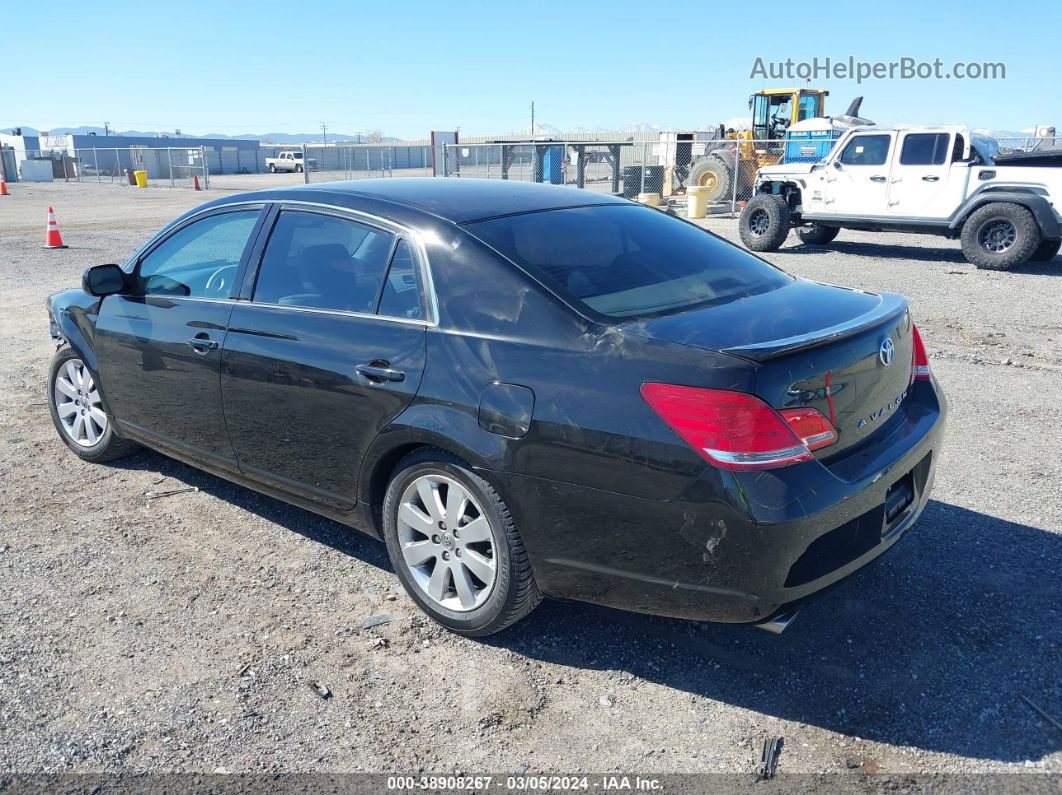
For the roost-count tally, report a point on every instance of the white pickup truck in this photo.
(935, 180)
(289, 161)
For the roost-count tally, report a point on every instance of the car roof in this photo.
(460, 201)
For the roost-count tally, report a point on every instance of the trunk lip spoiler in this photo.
(890, 307)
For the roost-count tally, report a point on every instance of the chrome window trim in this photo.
(399, 230)
(413, 235)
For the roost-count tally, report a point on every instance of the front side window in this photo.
(866, 150)
(626, 260)
(323, 262)
(199, 260)
(924, 149)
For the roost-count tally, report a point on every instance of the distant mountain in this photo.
(272, 138)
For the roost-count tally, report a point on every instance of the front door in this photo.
(857, 180)
(326, 354)
(159, 344)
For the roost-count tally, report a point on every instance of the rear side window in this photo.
(924, 149)
(323, 262)
(626, 260)
(866, 150)
(401, 288)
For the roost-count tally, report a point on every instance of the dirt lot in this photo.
(183, 633)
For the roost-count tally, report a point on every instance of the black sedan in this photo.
(524, 390)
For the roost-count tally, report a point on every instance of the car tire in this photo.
(817, 234)
(714, 172)
(1046, 251)
(77, 413)
(494, 553)
(272, 168)
(1000, 236)
(298, 169)
(765, 222)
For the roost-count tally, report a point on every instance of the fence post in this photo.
(306, 166)
(169, 158)
(737, 176)
(96, 164)
(645, 166)
(206, 168)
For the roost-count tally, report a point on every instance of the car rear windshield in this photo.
(627, 260)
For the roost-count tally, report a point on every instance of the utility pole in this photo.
(532, 118)
(106, 128)
(324, 133)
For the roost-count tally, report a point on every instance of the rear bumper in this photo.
(734, 547)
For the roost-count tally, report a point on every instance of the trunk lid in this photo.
(813, 345)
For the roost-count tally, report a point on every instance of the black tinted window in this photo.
(924, 149)
(625, 260)
(199, 260)
(323, 262)
(866, 150)
(401, 290)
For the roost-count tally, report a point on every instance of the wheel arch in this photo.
(416, 429)
(1027, 196)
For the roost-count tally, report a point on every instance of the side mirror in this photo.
(101, 280)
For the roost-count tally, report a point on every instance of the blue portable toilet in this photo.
(553, 165)
(809, 141)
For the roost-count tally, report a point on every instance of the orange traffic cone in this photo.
(3, 188)
(52, 238)
(195, 181)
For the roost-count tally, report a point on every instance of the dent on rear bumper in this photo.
(725, 549)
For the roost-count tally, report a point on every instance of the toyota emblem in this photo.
(886, 351)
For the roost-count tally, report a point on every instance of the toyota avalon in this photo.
(523, 390)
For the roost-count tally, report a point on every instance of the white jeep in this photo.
(936, 180)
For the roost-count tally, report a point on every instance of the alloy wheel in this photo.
(78, 405)
(447, 543)
(997, 236)
(759, 222)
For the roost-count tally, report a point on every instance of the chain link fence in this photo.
(657, 171)
(328, 163)
(175, 167)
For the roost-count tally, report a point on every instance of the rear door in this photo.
(857, 181)
(327, 352)
(920, 184)
(159, 344)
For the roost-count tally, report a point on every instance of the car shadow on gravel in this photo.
(917, 254)
(932, 647)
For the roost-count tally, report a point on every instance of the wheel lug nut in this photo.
(435, 539)
(457, 552)
(442, 525)
(446, 555)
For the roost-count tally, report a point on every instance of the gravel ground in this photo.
(187, 632)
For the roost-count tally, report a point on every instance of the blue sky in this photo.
(408, 67)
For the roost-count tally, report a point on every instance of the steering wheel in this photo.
(217, 281)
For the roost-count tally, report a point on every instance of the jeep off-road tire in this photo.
(765, 222)
(1000, 236)
(714, 173)
(817, 234)
(438, 513)
(1046, 252)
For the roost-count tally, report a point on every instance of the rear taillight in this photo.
(919, 360)
(735, 430)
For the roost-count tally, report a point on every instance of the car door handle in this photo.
(379, 372)
(203, 345)
(877, 178)
(930, 178)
